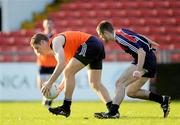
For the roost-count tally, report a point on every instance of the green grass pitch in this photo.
(132, 113)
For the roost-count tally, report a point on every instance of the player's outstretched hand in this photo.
(45, 88)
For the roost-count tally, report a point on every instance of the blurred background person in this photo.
(46, 63)
(48, 27)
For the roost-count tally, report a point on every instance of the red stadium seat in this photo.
(177, 21)
(175, 57)
(99, 5)
(5, 34)
(7, 49)
(71, 14)
(22, 40)
(61, 24)
(175, 38)
(176, 45)
(158, 30)
(7, 41)
(74, 22)
(77, 5)
(148, 13)
(7, 58)
(89, 23)
(152, 21)
(118, 14)
(131, 5)
(3, 40)
(164, 12)
(145, 4)
(21, 33)
(141, 30)
(161, 39)
(168, 21)
(24, 49)
(104, 13)
(85, 6)
(137, 21)
(176, 12)
(29, 33)
(121, 23)
(174, 4)
(166, 46)
(133, 13)
(115, 5)
(26, 58)
(161, 4)
(172, 30)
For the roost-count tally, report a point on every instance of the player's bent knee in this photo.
(131, 94)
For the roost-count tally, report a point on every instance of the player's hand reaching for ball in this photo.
(45, 88)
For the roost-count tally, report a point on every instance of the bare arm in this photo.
(60, 57)
(141, 59)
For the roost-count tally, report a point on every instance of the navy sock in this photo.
(67, 104)
(108, 105)
(114, 109)
(155, 97)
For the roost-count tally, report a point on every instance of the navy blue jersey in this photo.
(130, 42)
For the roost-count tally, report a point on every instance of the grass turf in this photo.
(132, 113)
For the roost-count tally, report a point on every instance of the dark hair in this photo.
(104, 26)
(36, 39)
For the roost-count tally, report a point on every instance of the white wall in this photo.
(14, 12)
(18, 82)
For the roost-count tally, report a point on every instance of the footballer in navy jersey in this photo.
(137, 74)
(130, 42)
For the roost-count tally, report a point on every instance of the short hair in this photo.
(36, 39)
(105, 26)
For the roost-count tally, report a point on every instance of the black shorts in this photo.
(149, 64)
(91, 52)
(46, 70)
